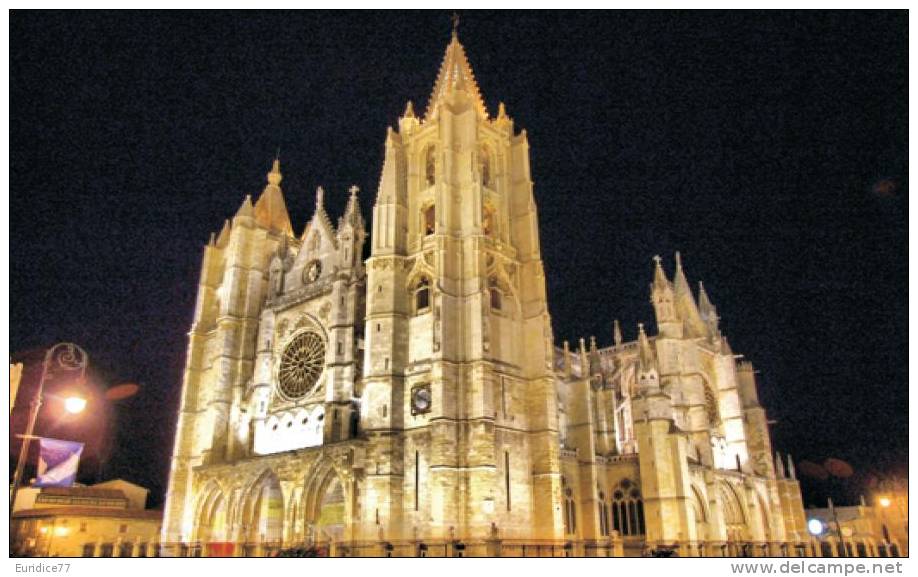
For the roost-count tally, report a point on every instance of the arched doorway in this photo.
(263, 515)
(211, 523)
(734, 520)
(326, 507)
(701, 521)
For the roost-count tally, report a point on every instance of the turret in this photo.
(390, 212)
(663, 299)
(408, 123)
(595, 360)
(648, 377)
(351, 233)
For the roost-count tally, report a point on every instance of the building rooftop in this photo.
(88, 512)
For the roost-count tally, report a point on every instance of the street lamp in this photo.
(63, 356)
(74, 405)
(885, 502)
(816, 527)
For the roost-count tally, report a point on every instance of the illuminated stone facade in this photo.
(415, 403)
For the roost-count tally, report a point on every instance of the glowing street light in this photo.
(62, 356)
(74, 405)
(885, 502)
(815, 527)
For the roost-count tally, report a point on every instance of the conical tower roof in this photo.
(455, 74)
(271, 210)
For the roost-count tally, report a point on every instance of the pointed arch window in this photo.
(603, 515)
(422, 296)
(496, 295)
(627, 509)
(484, 163)
(570, 510)
(428, 220)
(430, 166)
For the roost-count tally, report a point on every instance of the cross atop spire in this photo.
(455, 19)
(455, 74)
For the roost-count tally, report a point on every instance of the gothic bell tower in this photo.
(458, 396)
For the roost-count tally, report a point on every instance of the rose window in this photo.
(301, 365)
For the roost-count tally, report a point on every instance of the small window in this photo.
(82, 526)
(430, 220)
(305, 420)
(122, 529)
(430, 166)
(497, 298)
(422, 296)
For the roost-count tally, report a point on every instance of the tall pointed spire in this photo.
(659, 275)
(616, 333)
(455, 74)
(685, 303)
(646, 356)
(352, 214)
(246, 209)
(223, 237)
(791, 470)
(271, 210)
(661, 296)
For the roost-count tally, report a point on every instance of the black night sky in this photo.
(770, 148)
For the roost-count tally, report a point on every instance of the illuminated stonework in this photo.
(416, 404)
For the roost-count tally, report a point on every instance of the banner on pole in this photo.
(58, 462)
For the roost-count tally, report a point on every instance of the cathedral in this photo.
(415, 403)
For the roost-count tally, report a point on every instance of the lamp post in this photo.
(65, 356)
